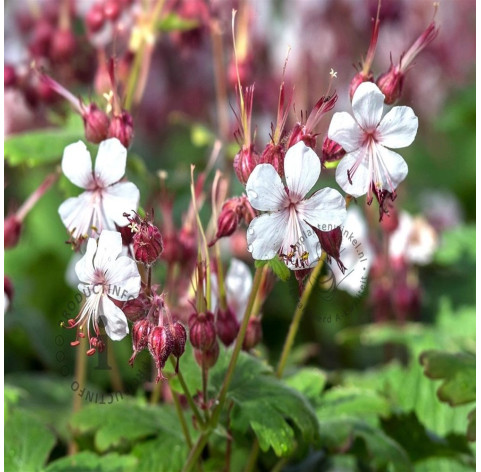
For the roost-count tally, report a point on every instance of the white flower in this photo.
(414, 240)
(104, 275)
(105, 199)
(369, 166)
(356, 254)
(287, 227)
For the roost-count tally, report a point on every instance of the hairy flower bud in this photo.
(137, 308)
(253, 333)
(140, 337)
(161, 344)
(299, 133)
(228, 220)
(179, 336)
(331, 243)
(273, 154)
(226, 326)
(391, 83)
(209, 357)
(96, 123)
(147, 243)
(244, 163)
(202, 333)
(122, 128)
(357, 80)
(12, 227)
(331, 151)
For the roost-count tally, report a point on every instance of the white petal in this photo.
(302, 242)
(361, 178)
(368, 105)
(302, 168)
(77, 214)
(118, 199)
(325, 210)
(345, 131)
(123, 279)
(113, 318)
(398, 128)
(393, 168)
(265, 235)
(265, 189)
(110, 162)
(77, 165)
(85, 266)
(108, 249)
(238, 283)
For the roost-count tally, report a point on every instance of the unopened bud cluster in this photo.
(146, 241)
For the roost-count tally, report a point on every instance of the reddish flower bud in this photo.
(140, 337)
(62, 45)
(9, 76)
(273, 154)
(147, 242)
(207, 358)
(380, 301)
(391, 220)
(136, 309)
(180, 337)
(229, 219)
(11, 231)
(244, 163)
(226, 326)
(357, 80)
(202, 333)
(126, 233)
(253, 333)
(390, 83)
(96, 123)
(112, 9)
(406, 301)
(122, 128)
(161, 344)
(331, 151)
(41, 38)
(331, 243)
(8, 291)
(299, 133)
(95, 18)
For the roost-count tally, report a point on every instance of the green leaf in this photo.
(27, 443)
(165, 454)
(44, 146)
(309, 381)
(87, 461)
(458, 372)
(122, 423)
(174, 22)
(457, 244)
(421, 444)
(471, 433)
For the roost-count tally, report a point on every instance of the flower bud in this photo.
(62, 45)
(96, 123)
(244, 163)
(140, 337)
(299, 133)
(41, 38)
(95, 18)
(226, 326)
(253, 333)
(357, 80)
(229, 219)
(273, 154)
(331, 151)
(112, 9)
(391, 83)
(207, 358)
(137, 308)
(9, 76)
(122, 128)
(179, 336)
(380, 301)
(406, 301)
(11, 231)
(331, 243)
(390, 223)
(161, 344)
(147, 242)
(8, 291)
(202, 333)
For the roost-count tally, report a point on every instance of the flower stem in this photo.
(180, 414)
(301, 306)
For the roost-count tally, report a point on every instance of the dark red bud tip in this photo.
(207, 358)
(253, 334)
(62, 46)
(331, 243)
(391, 84)
(122, 128)
(331, 151)
(202, 333)
(227, 326)
(11, 231)
(136, 309)
(357, 80)
(96, 124)
(160, 345)
(140, 335)
(273, 154)
(180, 337)
(244, 163)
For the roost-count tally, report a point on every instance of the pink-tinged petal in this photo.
(118, 199)
(393, 168)
(302, 168)
(110, 162)
(360, 177)
(109, 248)
(345, 131)
(325, 210)
(368, 105)
(113, 318)
(265, 234)
(398, 128)
(265, 189)
(77, 165)
(77, 214)
(123, 279)
(238, 282)
(85, 266)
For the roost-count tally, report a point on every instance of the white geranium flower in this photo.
(369, 166)
(414, 240)
(105, 199)
(105, 275)
(286, 227)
